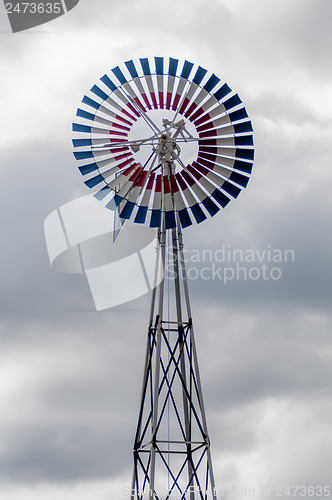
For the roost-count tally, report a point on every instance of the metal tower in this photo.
(172, 449)
(155, 180)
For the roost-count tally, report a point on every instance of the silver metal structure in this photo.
(172, 455)
(172, 460)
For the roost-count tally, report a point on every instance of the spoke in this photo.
(152, 163)
(136, 142)
(191, 139)
(183, 95)
(148, 120)
(182, 164)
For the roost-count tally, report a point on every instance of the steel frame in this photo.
(172, 457)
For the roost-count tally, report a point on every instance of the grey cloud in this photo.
(74, 418)
(259, 342)
(274, 360)
(300, 225)
(61, 453)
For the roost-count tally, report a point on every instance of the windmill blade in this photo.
(192, 203)
(111, 102)
(247, 154)
(243, 140)
(103, 109)
(204, 93)
(215, 100)
(179, 204)
(143, 206)
(203, 195)
(134, 74)
(127, 87)
(148, 79)
(159, 63)
(95, 118)
(193, 87)
(172, 68)
(184, 78)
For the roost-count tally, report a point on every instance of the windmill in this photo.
(166, 144)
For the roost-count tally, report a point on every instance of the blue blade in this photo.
(83, 155)
(120, 76)
(77, 143)
(243, 127)
(127, 210)
(155, 218)
(159, 62)
(243, 166)
(85, 114)
(131, 68)
(100, 195)
(231, 189)
(220, 197)
(108, 82)
(198, 213)
(87, 169)
(170, 220)
(90, 102)
(145, 66)
(247, 154)
(210, 206)
(211, 83)
(184, 218)
(238, 115)
(141, 214)
(200, 73)
(173, 64)
(222, 92)
(94, 181)
(240, 179)
(77, 127)
(245, 140)
(232, 102)
(100, 93)
(187, 67)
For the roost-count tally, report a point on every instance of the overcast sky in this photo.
(70, 377)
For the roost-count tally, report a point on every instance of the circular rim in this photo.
(145, 191)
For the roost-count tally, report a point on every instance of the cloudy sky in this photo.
(70, 377)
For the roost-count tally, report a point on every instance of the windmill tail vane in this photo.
(168, 145)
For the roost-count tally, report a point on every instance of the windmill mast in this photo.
(171, 378)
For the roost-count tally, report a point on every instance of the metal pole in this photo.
(155, 280)
(148, 355)
(199, 385)
(158, 349)
(182, 356)
(182, 360)
(157, 373)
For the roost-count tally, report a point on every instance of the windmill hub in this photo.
(167, 149)
(168, 132)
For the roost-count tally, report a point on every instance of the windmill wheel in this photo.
(155, 142)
